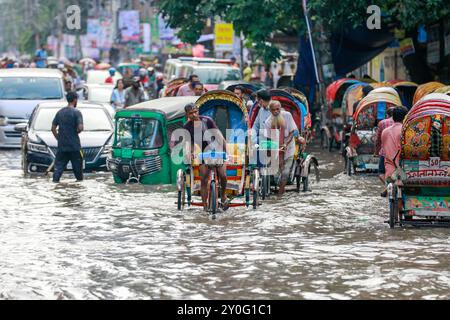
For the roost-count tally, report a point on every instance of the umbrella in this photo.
(88, 60)
(102, 66)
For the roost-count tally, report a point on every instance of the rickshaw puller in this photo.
(194, 119)
(283, 120)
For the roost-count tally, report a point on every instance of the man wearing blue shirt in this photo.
(41, 57)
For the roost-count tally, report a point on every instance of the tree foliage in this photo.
(22, 22)
(258, 20)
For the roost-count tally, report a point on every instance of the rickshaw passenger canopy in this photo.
(425, 89)
(228, 111)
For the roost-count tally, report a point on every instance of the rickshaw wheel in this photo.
(264, 182)
(180, 199)
(393, 208)
(213, 198)
(247, 197)
(392, 214)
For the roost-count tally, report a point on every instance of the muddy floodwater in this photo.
(98, 240)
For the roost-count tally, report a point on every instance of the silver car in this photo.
(21, 90)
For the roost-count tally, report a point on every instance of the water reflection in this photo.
(97, 240)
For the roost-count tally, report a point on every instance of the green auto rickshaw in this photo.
(141, 150)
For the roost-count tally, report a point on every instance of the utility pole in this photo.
(60, 27)
(323, 60)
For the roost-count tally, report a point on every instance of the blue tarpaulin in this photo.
(350, 49)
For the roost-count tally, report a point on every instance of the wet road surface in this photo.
(98, 240)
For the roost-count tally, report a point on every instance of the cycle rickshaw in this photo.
(230, 116)
(303, 162)
(419, 187)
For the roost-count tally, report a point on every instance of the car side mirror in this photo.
(21, 127)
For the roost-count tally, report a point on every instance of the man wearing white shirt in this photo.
(284, 122)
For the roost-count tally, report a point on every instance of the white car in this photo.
(100, 76)
(21, 90)
(211, 74)
(98, 93)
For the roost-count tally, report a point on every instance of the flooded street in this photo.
(98, 240)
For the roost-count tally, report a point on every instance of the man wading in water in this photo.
(67, 125)
(284, 122)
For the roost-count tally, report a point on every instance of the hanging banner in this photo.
(129, 27)
(224, 35)
(165, 32)
(105, 35)
(146, 37)
(407, 47)
(93, 30)
(433, 48)
(155, 29)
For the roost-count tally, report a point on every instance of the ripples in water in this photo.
(97, 240)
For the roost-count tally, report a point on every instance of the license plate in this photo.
(126, 169)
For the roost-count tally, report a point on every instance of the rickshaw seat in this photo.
(213, 155)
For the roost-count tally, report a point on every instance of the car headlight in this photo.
(37, 147)
(3, 121)
(112, 166)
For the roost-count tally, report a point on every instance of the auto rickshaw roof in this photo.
(171, 107)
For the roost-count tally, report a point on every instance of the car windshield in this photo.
(217, 75)
(139, 133)
(93, 119)
(30, 88)
(101, 94)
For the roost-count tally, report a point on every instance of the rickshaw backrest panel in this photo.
(369, 114)
(417, 139)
